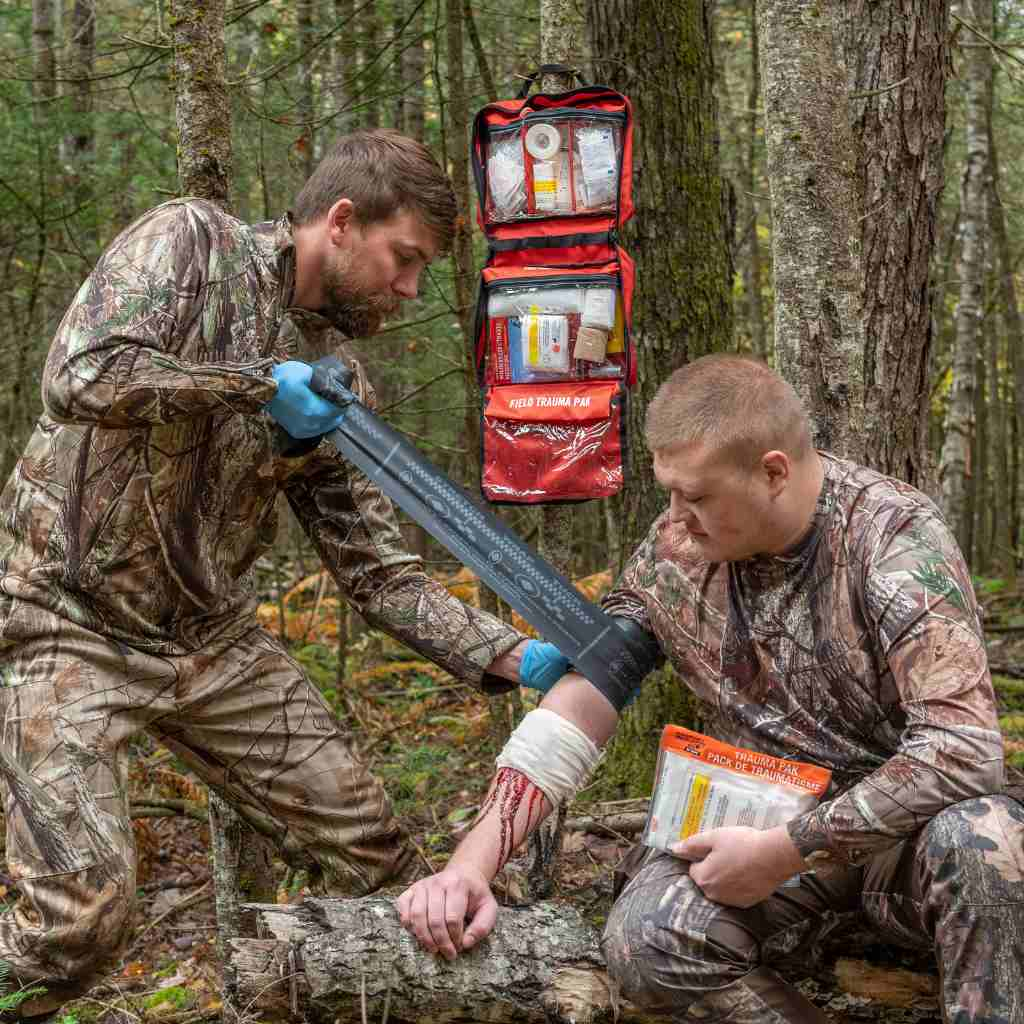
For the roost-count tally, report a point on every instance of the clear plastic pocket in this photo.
(554, 331)
(554, 165)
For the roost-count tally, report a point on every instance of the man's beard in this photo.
(350, 309)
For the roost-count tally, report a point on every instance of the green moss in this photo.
(627, 770)
(176, 995)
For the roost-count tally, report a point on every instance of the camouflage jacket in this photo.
(859, 650)
(148, 488)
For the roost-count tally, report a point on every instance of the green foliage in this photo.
(417, 772)
(177, 996)
(10, 1001)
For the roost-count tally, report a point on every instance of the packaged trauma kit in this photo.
(554, 351)
(702, 783)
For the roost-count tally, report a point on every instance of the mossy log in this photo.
(324, 959)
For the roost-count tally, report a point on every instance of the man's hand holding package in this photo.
(739, 866)
(296, 407)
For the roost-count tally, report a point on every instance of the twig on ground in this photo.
(200, 894)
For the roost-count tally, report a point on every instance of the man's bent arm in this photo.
(123, 357)
(435, 909)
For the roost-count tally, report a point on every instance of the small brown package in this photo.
(591, 344)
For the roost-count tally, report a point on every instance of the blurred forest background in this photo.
(833, 186)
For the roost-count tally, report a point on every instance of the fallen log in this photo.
(351, 960)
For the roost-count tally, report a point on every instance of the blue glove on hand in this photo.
(300, 410)
(542, 665)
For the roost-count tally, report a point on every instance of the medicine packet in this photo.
(702, 784)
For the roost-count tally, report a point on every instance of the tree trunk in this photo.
(897, 57)
(241, 860)
(327, 959)
(305, 108)
(956, 445)
(345, 62)
(753, 270)
(854, 123)
(81, 144)
(414, 69)
(203, 112)
(369, 62)
(816, 202)
(1010, 311)
(662, 57)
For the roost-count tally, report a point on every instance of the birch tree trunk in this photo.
(1015, 345)
(662, 57)
(853, 125)
(954, 465)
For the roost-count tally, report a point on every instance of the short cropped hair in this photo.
(737, 405)
(382, 172)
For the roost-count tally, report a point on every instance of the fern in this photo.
(12, 1000)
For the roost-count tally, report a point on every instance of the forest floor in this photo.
(430, 741)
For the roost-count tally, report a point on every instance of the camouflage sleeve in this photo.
(919, 604)
(353, 526)
(121, 355)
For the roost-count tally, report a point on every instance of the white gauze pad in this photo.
(556, 756)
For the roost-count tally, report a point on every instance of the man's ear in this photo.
(340, 220)
(777, 470)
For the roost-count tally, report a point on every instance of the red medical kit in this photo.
(554, 348)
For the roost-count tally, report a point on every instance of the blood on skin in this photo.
(508, 791)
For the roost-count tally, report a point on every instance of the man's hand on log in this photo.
(738, 866)
(436, 910)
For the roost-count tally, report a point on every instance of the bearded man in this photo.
(820, 611)
(130, 526)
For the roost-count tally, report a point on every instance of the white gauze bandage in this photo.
(552, 753)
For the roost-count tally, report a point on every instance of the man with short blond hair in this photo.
(130, 527)
(821, 612)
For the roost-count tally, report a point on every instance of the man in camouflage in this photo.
(129, 528)
(823, 612)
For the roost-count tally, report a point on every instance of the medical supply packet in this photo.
(702, 784)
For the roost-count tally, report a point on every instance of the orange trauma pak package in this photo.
(703, 784)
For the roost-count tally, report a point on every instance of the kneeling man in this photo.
(822, 612)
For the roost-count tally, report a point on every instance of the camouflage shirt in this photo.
(148, 488)
(860, 650)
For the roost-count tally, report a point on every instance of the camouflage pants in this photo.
(958, 887)
(239, 712)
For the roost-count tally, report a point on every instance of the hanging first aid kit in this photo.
(554, 352)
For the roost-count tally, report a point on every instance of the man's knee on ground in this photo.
(967, 845)
(670, 953)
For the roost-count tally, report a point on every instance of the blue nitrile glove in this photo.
(542, 665)
(301, 411)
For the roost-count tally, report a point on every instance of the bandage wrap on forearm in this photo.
(556, 756)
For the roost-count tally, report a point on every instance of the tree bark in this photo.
(540, 964)
(897, 57)
(306, 105)
(414, 68)
(1010, 311)
(954, 462)
(203, 112)
(81, 143)
(753, 269)
(345, 63)
(662, 57)
(816, 201)
(854, 123)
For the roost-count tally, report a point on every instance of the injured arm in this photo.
(548, 758)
